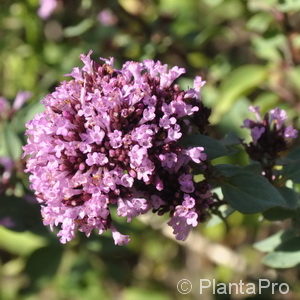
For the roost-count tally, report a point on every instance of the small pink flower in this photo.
(107, 18)
(47, 7)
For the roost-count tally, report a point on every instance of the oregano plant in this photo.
(130, 141)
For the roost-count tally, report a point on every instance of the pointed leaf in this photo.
(250, 193)
(287, 255)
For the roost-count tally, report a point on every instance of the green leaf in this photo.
(287, 255)
(79, 29)
(231, 139)
(294, 73)
(228, 170)
(279, 214)
(260, 22)
(250, 193)
(3, 151)
(253, 167)
(238, 83)
(12, 142)
(134, 293)
(294, 155)
(289, 6)
(24, 215)
(291, 166)
(269, 244)
(213, 148)
(289, 211)
(290, 196)
(232, 142)
(258, 5)
(269, 48)
(231, 170)
(20, 243)
(43, 264)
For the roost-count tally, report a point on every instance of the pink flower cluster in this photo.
(274, 120)
(110, 138)
(270, 135)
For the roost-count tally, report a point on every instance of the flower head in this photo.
(110, 137)
(46, 8)
(270, 134)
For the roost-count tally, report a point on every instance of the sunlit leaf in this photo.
(286, 255)
(238, 83)
(20, 243)
(79, 29)
(270, 243)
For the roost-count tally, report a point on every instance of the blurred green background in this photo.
(247, 51)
